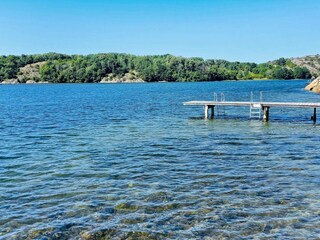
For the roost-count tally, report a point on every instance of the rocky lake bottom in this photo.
(129, 161)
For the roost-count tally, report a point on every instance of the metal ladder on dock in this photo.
(255, 108)
(220, 109)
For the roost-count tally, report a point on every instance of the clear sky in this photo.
(235, 30)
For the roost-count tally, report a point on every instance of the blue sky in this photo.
(235, 30)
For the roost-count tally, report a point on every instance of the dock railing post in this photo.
(314, 118)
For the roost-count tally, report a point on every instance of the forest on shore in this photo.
(109, 67)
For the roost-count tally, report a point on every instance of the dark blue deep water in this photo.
(129, 161)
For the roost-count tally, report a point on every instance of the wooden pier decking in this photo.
(265, 106)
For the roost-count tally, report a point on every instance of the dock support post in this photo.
(314, 118)
(206, 111)
(266, 113)
(212, 112)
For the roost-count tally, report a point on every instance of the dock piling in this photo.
(266, 113)
(206, 111)
(314, 117)
(212, 112)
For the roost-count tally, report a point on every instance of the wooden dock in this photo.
(265, 106)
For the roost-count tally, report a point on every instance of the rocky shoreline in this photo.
(11, 82)
(130, 77)
(16, 81)
(314, 86)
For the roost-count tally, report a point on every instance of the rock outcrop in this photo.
(314, 86)
(311, 62)
(10, 81)
(30, 73)
(30, 81)
(130, 77)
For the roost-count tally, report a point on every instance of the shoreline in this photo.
(134, 82)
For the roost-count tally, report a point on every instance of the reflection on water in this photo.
(130, 162)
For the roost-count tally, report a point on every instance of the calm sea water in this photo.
(129, 161)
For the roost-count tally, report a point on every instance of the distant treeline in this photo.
(61, 68)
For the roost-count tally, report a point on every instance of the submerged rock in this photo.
(126, 207)
(117, 234)
(100, 234)
(42, 233)
(314, 86)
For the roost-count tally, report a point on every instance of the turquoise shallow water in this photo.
(128, 161)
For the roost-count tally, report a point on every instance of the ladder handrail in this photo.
(215, 97)
(255, 108)
(252, 96)
(220, 109)
(222, 97)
